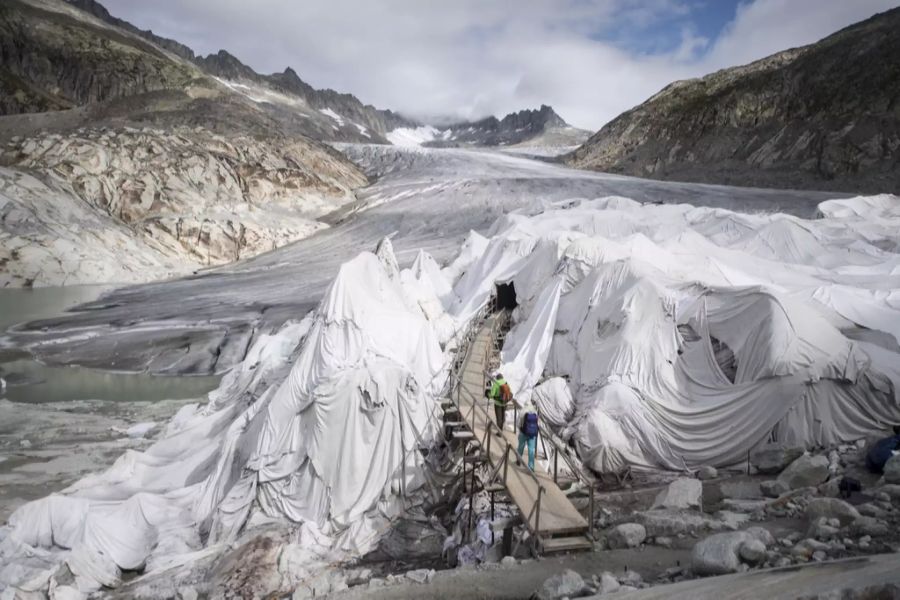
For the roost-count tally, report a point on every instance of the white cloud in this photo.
(470, 58)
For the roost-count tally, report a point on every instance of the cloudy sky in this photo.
(589, 59)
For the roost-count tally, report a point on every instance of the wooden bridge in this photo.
(555, 523)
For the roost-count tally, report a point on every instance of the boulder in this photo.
(420, 575)
(831, 508)
(773, 488)
(675, 522)
(720, 553)
(869, 526)
(773, 458)
(806, 471)
(567, 584)
(681, 493)
(741, 489)
(704, 473)
(752, 552)
(608, 584)
(626, 535)
(892, 469)
(807, 547)
(821, 529)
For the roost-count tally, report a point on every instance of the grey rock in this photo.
(892, 470)
(806, 471)
(819, 556)
(420, 575)
(773, 458)
(805, 548)
(871, 510)
(684, 492)
(719, 554)
(608, 583)
(741, 489)
(508, 561)
(831, 508)
(869, 526)
(773, 488)
(753, 552)
(562, 585)
(704, 473)
(626, 535)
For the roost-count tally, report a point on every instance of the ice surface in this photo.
(428, 198)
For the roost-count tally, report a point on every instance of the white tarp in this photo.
(689, 335)
(326, 446)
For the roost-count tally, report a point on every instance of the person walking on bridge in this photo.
(528, 432)
(501, 395)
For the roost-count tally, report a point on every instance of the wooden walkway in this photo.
(547, 511)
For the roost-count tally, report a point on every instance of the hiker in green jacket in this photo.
(501, 395)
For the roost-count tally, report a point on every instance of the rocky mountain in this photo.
(154, 167)
(541, 127)
(823, 116)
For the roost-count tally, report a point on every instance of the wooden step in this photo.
(494, 487)
(454, 424)
(463, 435)
(577, 543)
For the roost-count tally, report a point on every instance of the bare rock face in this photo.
(822, 116)
(178, 199)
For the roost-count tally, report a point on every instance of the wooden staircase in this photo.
(556, 525)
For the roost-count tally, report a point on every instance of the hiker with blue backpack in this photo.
(528, 432)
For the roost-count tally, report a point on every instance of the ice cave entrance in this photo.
(506, 296)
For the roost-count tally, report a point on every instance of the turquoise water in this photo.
(32, 382)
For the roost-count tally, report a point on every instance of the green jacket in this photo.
(495, 391)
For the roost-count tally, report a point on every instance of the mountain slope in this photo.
(823, 116)
(163, 168)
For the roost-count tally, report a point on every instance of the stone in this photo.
(820, 529)
(806, 471)
(567, 584)
(744, 505)
(773, 488)
(773, 458)
(608, 583)
(819, 556)
(871, 510)
(807, 547)
(667, 522)
(508, 561)
(892, 490)
(892, 469)
(681, 493)
(632, 578)
(733, 520)
(663, 541)
(421, 575)
(753, 552)
(741, 489)
(705, 473)
(782, 562)
(869, 526)
(626, 535)
(719, 553)
(831, 508)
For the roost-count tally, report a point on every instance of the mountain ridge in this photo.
(822, 116)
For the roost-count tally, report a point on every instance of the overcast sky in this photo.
(589, 59)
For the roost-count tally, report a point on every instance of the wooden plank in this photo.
(566, 544)
(557, 514)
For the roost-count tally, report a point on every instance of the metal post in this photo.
(505, 464)
(537, 516)
(471, 497)
(591, 523)
(555, 463)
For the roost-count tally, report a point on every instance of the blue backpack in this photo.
(530, 425)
